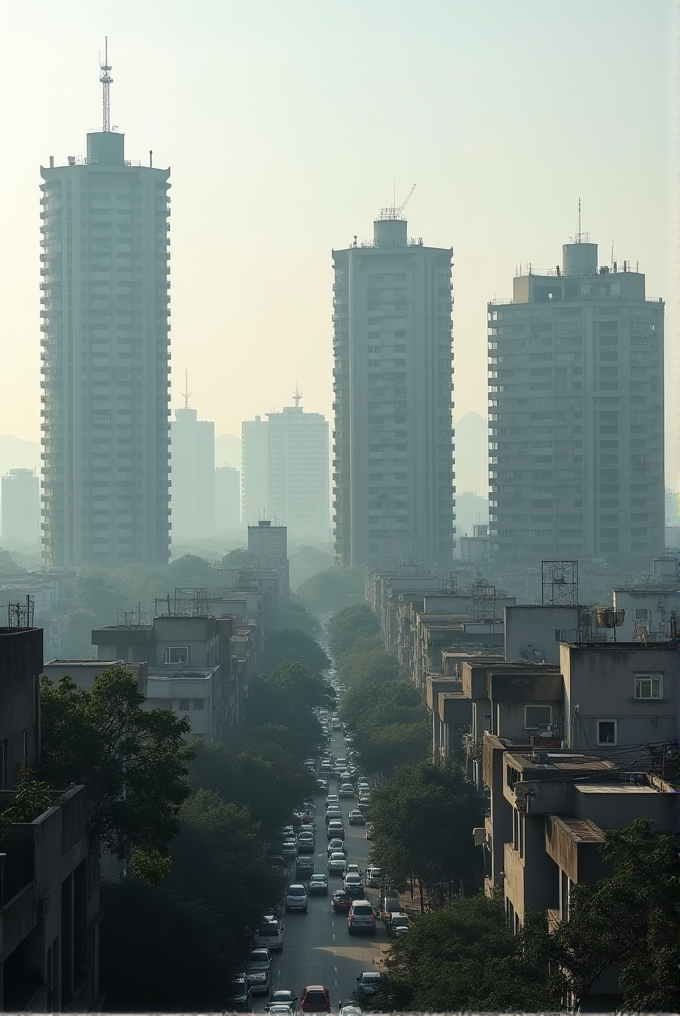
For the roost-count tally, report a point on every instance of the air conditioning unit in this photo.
(479, 836)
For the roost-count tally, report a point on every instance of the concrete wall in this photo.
(654, 607)
(21, 663)
(530, 631)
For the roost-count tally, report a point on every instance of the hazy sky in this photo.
(286, 124)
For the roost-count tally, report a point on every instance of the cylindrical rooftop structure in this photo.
(579, 258)
(390, 232)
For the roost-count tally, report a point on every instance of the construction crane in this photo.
(393, 212)
(403, 205)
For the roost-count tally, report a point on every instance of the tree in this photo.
(389, 721)
(79, 626)
(367, 661)
(292, 613)
(150, 939)
(217, 861)
(462, 958)
(306, 562)
(252, 771)
(140, 757)
(347, 626)
(422, 821)
(332, 589)
(288, 696)
(629, 919)
(295, 647)
(31, 798)
(7, 563)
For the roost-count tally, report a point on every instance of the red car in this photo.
(315, 998)
(341, 902)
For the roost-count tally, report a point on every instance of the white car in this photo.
(337, 846)
(269, 934)
(353, 869)
(289, 848)
(336, 864)
(296, 897)
(374, 877)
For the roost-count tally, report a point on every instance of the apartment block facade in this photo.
(192, 444)
(393, 478)
(576, 415)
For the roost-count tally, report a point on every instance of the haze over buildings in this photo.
(393, 455)
(576, 426)
(192, 488)
(285, 474)
(20, 508)
(104, 323)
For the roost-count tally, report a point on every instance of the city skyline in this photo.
(284, 187)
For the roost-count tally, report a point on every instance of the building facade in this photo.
(227, 499)
(105, 295)
(393, 452)
(576, 416)
(286, 471)
(192, 497)
(20, 509)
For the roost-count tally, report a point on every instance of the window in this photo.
(184, 705)
(536, 717)
(641, 615)
(649, 686)
(606, 732)
(177, 654)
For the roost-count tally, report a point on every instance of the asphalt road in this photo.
(317, 946)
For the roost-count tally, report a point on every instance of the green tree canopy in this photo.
(332, 589)
(294, 646)
(630, 919)
(218, 862)
(288, 696)
(161, 952)
(140, 756)
(389, 721)
(422, 827)
(256, 772)
(347, 626)
(462, 958)
(306, 562)
(367, 661)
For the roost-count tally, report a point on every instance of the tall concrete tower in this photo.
(393, 454)
(576, 416)
(192, 444)
(105, 334)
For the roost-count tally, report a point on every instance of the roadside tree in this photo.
(347, 626)
(332, 589)
(289, 645)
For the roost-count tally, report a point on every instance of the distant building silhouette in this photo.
(393, 455)
(105, 293)
(20, 509)
(576, 415)
(227, 499)
(192, 487)
(285, 472)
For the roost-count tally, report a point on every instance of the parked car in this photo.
(369, 831)
(315, 998)
(398, 924)
(336, 845)
(356, 817)
(296, 897)
(368, 982)
(374, 877)
(240, 996)
(361, 918)
(341, 902)
(259, 971)
(322, 784)
(282, 996)
(389, 903)
(269, 933)
(289, 848)
(336, 864)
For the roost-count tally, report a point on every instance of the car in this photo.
(279, 1009)
(374, 877)
(364, 785)
(361, 918)
(296, 897)
(259, 971)
(389, 903)
(350, 1008)
(282, 996)
(369, 982)
(353, 869)
(269, 933)
(337, 845)
(332, 799)
(336, 827)
(346, 790)
(315, 998)
(356, 817)
(364, 805)
(336, 864)
(279, 863)
(306, 843)
(304, 867)
(318, 884)
(331, 813)
(322, 784)
(289, 848)
(341, 902)
(369, 831)
(287, 832)
(398, 924)
(353, 884)
(239, 996)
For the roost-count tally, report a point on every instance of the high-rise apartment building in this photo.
(393, 454)
(105, 295)
(20, 507)
(192, 488)
(286, 471)
(227, 499)
(576, 415)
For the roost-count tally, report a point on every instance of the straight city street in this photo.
(317, 946)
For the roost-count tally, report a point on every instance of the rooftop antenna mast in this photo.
(578, 235)
(106, 81)
(297, 395)
(186, 393)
